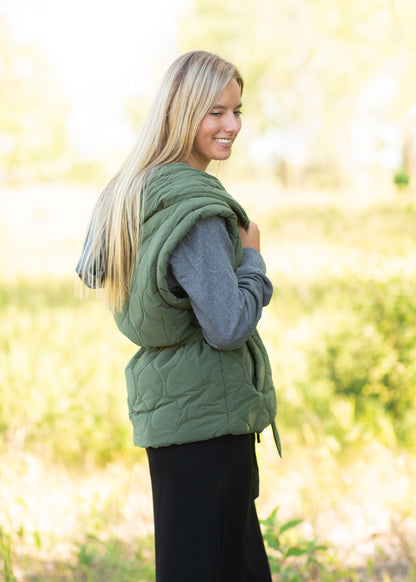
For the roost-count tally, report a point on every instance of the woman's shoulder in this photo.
(178, 183)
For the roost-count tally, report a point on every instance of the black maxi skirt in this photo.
(206, 524)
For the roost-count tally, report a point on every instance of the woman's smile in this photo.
(218, 129)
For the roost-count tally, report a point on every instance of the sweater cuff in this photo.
(253, 269)
(253, 260)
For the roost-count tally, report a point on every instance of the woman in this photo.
(181, 269)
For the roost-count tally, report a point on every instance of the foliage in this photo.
(296, 60)
(361, 365)
(6, 556)
(345, 344)
(34, 142)
(401, 179)
(98, 561)
(93, 560)
(343, 322)
(61, 382)
(341, 333)
(295, 559)
(303, 119)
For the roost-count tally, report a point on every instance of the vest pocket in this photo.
(252, 364)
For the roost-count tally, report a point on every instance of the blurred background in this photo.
(326, 164)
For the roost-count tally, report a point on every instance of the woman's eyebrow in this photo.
(224, 107)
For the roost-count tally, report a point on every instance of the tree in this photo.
(312, 71)
(33, 134)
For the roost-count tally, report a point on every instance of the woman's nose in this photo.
(232, 124)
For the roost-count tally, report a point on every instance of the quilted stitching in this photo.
(180, 389)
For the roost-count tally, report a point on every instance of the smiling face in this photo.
(218, 129)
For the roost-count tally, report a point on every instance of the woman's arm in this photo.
(227, 303)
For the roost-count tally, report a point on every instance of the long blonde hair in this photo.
(190, 88)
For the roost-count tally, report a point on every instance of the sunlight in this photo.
(101, 54)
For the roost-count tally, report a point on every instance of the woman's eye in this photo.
(220, 113)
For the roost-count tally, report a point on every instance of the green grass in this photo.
(61, 373)
(341, 333)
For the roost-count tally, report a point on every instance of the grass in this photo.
(54, 400)
(75, 501)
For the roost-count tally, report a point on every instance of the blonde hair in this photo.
(190, 88)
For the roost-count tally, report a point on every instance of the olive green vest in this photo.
(180, 389)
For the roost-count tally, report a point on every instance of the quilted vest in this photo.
(180, 389)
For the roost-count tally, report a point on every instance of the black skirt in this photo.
(206, 525)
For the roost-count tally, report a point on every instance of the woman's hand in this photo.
(251, 236)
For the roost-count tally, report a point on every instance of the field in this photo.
(75, 500)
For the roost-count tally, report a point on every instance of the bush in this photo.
(362, 359)
(401, 179)
(62, 387)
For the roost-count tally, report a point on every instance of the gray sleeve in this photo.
(227, 303)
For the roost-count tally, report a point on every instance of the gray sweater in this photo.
(227, 303)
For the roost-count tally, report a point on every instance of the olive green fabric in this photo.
(180, 389)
